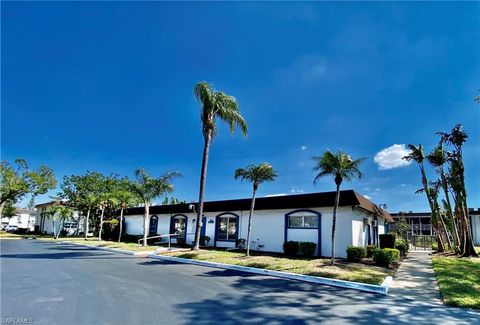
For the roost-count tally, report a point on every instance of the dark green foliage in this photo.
(204, 240)
(355, 253)
(402, 246)
(387, 240)
(131, 238)
(290, 247)
(241, 243)
(370, 249)
(307, 248)
(385, 256)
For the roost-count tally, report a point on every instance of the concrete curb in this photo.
(382, 289)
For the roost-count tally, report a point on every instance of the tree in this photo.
(124, 198)
(148, 189)
(215, 105)
(17, 182)
(59, 213)
(9, 210)
(256, 174)
(342, 167)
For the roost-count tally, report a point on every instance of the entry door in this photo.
(152, 230)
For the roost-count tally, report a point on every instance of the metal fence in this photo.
(422, 242)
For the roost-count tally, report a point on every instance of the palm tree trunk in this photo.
(85, 226)
(1, 207)
(121, 222)
(146, 223)
(54, 233)
(101, 224)
(249, 230)
(334, 222)
(203, 179)
(77, 232)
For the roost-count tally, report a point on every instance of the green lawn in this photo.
(459, 280)
(314, 266)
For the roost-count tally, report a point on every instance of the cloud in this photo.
(304, 148)
(391, 157)
(368, 197)
(296, 190)
(275, 194)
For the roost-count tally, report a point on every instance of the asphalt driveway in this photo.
(52, 283)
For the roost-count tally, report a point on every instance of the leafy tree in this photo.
(59, 213)
(148, 189)
(215, 105)
(17, 182)
(9, 210)
(256, 174)
(342, 167)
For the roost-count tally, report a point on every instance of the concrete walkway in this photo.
(416, 279)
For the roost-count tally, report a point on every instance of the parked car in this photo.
(11, 228)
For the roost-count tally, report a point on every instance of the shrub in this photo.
(307, 248)
(355, 253)
(434, 246)
(387, 240)
(402, 246)
(370, 249)
(241, 243)
(204, 240)
(385, 256)
(290, 247)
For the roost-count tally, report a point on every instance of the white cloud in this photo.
(377, 189)
(391, 157)
(275, 194)
(304, 148)
(368, 197)
(296, 190)
(402, 185)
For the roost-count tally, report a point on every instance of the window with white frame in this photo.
(227, 227)
(303, 221)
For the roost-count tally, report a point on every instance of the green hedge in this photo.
(290, 247)
(307, 248)
(355, 253)
(385, 256)
(370, 249)
(387, 240)
(402, 246)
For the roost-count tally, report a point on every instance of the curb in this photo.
(382, 289)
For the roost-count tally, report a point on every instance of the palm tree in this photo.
(104, 200)
(90, 203)
(147, 189)
(256, 174)
(123, 198)
(215, 104)
(59, 213)
(342, 167)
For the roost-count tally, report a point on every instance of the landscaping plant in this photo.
(385, 256)
(290, 247)
(356, 253)
(387, 240)
(307, 248)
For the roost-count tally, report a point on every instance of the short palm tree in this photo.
(90, 203)
(148, 189)
(342, 167)
(256, 174)
(123, 198)
(215, 104)
(59, 213)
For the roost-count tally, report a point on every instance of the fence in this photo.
(419, 242)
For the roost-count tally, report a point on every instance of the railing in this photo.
(160, 236)
(422, 241)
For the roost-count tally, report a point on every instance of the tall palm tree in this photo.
(123, 198)
(256, 174)
(105, 199)
(148, 189)
(90, 203)
(215, 104)
(342, 167)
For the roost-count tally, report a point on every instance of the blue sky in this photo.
(107, 86)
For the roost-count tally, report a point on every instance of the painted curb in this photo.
(382, 289)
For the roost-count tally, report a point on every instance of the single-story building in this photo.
(23, 219)
(304, 217)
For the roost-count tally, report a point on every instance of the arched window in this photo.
(179, 226)
(227, 227)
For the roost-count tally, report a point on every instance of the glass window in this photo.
(303, 221)
(227, 228)
(179, 226)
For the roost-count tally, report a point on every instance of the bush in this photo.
(290, 247)
(131, 238)
(434, 246)
(307, 248)
(355, 253)
(204, 240)
(370, 249)
(241, 243)
(385, 256)
(387, 240)
(402, 246)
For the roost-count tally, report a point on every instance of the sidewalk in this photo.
(415, 279)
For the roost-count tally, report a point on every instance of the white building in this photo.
(44, 221)
(305, 217)
(23, 219)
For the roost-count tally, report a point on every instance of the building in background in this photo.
(23, 219)
(44, 221)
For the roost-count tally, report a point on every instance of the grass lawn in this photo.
(459, 280)
(315, 266)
